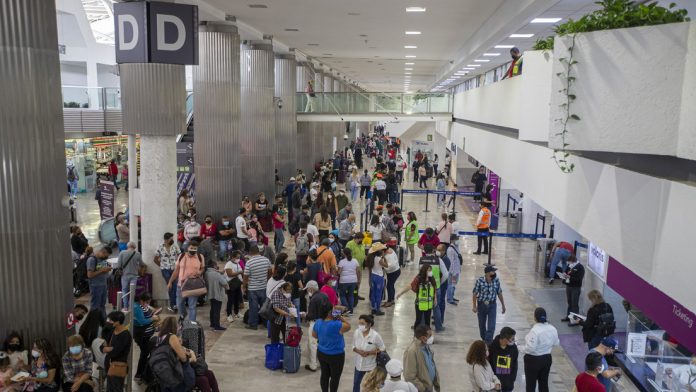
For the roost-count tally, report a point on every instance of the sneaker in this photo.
(452, 303)
(455, 299)
(219, 329)
(565, 319)
(441, 329)
(237, 316)
(484, 253)
(170, 309)
(230, 319)
(309, 368)
(378, 313)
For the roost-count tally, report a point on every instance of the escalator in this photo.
(187, 137)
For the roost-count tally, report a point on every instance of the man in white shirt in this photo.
(455, 257)
(538, 345)
(241, 227)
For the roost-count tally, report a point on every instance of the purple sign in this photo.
(105, 199)
(494, 180)
(669, 314)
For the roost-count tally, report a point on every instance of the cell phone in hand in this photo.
(336, 313)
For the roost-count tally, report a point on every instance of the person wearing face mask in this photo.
(376, 262)
(573, 276)
(217, 285)
(607, 346)
(424, 286)
(283, 307)
(440, 274)
(587, 380)
(334, 244)
(515, 67)
(225, 234)
(117, 351)
(685, 376)
(77, 366)
(44, 366)
(165, 258)
(419, 361)
(503, 354)
(483, 298)
(208, 229)
(143, 329)
(13, 346)
(341, 200)
(191, 230)
(367, 343)
(328, 329)
(538, 345)
(441, 252)
(98, 273)
(455, 258)
(480, 371)
(189, 265)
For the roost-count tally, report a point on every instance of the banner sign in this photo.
(185, 177)
(494, 180)
(597, 260)
(106, 199)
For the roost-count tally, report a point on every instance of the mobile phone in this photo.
(336, 313)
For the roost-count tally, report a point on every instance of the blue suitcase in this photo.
(291, 359)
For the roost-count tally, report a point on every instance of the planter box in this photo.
(635, 88)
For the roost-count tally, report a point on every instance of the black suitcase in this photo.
(193, 337)
(402, 256)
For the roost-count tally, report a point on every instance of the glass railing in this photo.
(100, 98)
(359, 102)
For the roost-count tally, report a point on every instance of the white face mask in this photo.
(438, 253)
(430, 274)
(287, 295)
(260, 248)
(331, 240)
(362, 328)
(430, 340)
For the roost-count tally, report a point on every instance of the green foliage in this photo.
(617, 14)
(71, 104)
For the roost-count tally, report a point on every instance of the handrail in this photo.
(392, 104)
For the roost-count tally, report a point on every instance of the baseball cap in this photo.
(489, 268)
(292, 178)
(610, 342)
(395, 368)
(312, 284)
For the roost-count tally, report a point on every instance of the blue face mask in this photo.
(42, 374)
(74, 350)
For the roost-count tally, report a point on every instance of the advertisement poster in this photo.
(106, 199)
(185, 178)
(636, 344)
(494, 180)
(597, 260)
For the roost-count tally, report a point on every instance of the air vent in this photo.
(258, 6)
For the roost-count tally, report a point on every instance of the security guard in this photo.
(483, 224)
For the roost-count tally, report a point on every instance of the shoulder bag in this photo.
(266, 310)
(194, 286)
(118, 272)
(117, 368)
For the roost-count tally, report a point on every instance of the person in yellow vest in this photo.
(515, 68)
(483, 224)
(424, 286)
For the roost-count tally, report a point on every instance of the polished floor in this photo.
(237, 355)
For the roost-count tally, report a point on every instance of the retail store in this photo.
(91, 157)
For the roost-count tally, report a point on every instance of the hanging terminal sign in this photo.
(154, 32)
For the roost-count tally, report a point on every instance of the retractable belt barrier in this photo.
(427, 192)
(577, 245)
(493, 234)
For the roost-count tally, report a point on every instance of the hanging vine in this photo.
(561, 155)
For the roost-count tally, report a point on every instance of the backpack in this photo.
(71, 173)
(302, 245)
(294, 337)
(606, 323)
(164, 364)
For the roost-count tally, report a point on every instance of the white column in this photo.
(133, 189)
(92, 84)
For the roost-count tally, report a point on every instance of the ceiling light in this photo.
(410, 47)
(467, 69)
(481, 61)
(410, 56)
(455, 77)
(363, 35)
(491, 54)
(415, 9)
(413, 33)
(312, 44)
(504, 46)
(408, 69)
(460, 73)
(409, 63)
(521, 35)
(354, 13)
(258, 6)
(407, 73)
(473, 65)
(546, 20)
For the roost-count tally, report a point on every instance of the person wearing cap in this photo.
(607, 347)
(486, 290)
(419, 361)
(394, 383)
(587, 381)
(483, 225)
(376, 262)
(538, 345)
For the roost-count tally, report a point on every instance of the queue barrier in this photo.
(577, 245)
(428, 192)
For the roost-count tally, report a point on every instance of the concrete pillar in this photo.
(322, 103)
(92, 83)
(257, 141)
(286, 116)
(153, 102)
(216, 86)
(35, 272)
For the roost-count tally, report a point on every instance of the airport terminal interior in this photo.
(326, 195)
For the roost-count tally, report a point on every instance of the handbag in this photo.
(193, 287)
(266, 310)
(118, 369)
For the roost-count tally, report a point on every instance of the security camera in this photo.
(278, 101)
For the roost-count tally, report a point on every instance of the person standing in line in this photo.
(357, 248)
(365, 182)
(441, 185)
(130, 262)
(279, 217)
(97, 274)
(345, 230)
(225, 234)
(455, 268)
(479, 180)
(422, 176)
(143, 329)
(607, 347)
(441, 252)
(393, 271)
(189, 265)
(281, 303)
(234, 273)
(123, 233)
(241, 227)
(293, 276)
(376, 262)
(538, 345)
(317, 301)
(483, 224)
(419, 361)
(349, 278)
(256, 273)
(329, 330)
(444, 230)
(367, 343)
(117, 351)
(481, 373)
(486, 290)
(599, 322)
(411, 235)
(587, 381)
(574, 275)
(165, 258)
(503, 355)
(217, 285)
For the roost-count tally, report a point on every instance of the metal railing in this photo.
(77, 97)
(361, 102)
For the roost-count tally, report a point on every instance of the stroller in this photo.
(80, 283)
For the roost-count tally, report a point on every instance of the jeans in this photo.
(277, 330)
(331, 369)
(376, 289)
(73, 188)
(312, 344)
(399, 176)
(225, 245)
(486, 319)
(537, 369)
(357, 379)
(573, 298)
(441, 303)
(354, 193)
(363, 190)
(256, 298)
(143, 341)
(215, 307)
(167, 274)
(192, 302)
(346, 291)
(126, 281)
(278, 240)
(391, 281)
(441, 199)
(296, 302)
(560, 256)
(454, 279)
(98, 300)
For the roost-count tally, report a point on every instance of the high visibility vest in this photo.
(485, 219)
(425, 297)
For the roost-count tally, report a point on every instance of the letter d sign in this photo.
(130, 29)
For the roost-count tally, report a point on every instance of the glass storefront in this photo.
(91, 158)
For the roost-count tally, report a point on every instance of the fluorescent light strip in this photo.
(409, 63)
(504, 46)
(413, 33)
(415, 9)
(491, 54)
(546, 20)
(408, 69)
(410, 47)
(473, 65)
(521, 35)
(468, 69)
(481, 61)
(410, 56)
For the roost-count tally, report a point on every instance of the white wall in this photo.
(73, 74)
(106, 77)
(644, 222)
(529, 215)
(535, 96)
(496, 104)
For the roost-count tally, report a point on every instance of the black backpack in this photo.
(606, 323)
(71, 173)
(165, 365)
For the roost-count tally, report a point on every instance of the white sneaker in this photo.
(230, 319)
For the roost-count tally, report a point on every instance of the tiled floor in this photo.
(237, 355)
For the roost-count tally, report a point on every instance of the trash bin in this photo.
(514, 223)
(542, 253)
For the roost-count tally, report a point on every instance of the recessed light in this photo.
(473, 65)
(410, 47)
(312, 44)
(460, 73)
(410, 56)
(258, 6)
(467, 69)
(491, 54)
(363, 35)
(415, 9)
(481, 61)
(504, 46)
(408, 69)
(409, 63)
(521, 35)
(407, 73)
(546, 20)
(413, 33)
(292, 30)
(327, 54)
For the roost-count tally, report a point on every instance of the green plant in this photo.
(560, 156)
(543, 43)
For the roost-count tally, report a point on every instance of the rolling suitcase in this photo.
(274, 356)
(193, 338)
(291, 359)
(402, 260)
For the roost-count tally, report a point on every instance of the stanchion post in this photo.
(401, 200)
(131, 303)
(490, 246)
(427, 193)
(454, 201)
